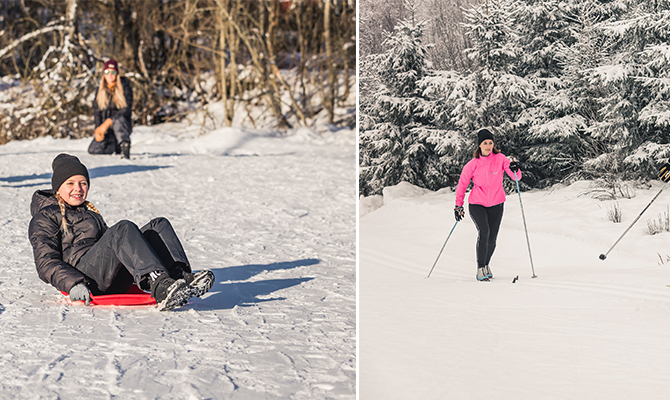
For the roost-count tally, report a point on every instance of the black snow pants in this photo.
(487, 220)
(126, 253)
(118, 133)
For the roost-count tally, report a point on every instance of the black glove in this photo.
(514, 166)
(664, 173)
(80, 292)
(459, 213)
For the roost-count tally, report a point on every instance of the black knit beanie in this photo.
(66, 166)
(482, 135)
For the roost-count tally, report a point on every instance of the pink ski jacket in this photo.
(486, 173)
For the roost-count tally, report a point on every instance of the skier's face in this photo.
(74, 190)
(486, 147)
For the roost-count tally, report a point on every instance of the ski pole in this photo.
(524, 225)
(445, 243)
(604, 256)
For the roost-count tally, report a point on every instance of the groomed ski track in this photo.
(583, 329)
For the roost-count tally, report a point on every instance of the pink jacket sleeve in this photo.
(463, 182)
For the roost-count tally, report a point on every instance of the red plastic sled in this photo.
(133, 297)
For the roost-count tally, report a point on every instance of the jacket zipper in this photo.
(488, 182)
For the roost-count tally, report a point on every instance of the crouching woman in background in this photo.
(112, 113)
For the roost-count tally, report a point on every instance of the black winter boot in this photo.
(125, 149)
(169, 293)
(201, 282)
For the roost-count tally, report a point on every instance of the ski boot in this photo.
(481, 275)
(488, 273)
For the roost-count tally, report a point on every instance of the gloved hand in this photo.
(664, 173)
(80, 292)
(514, 165)
(459, 213)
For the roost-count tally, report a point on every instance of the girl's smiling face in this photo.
(486, 147)
(74, 190)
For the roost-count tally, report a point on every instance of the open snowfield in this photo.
(273, 216)
(583, 329)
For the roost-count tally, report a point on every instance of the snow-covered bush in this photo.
(659, 224)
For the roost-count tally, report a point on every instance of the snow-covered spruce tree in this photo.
(450, 143)
(600, 90)
(602, 74)
(555, 137)
(492, 94)
(639, 80)
(398, 141)
(582, 117)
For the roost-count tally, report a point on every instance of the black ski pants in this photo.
(126, 253)
(487, 220)
(118, 133)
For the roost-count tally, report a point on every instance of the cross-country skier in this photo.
(487, 196)
(112, 108)
(77, 253)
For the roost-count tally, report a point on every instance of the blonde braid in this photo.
(91, 207)
(61, 204)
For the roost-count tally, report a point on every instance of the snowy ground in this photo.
(583, 329)
(273, 217)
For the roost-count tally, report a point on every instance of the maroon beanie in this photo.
(111, 64)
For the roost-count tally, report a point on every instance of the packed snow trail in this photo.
(583, 329)
(274, 218)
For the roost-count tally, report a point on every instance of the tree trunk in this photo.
(234, 43)
(344, 31)
(330, 68)
(222, 26)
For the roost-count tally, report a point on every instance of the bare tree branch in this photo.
(29, 36)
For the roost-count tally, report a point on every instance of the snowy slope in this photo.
(583, 329)
(274, 217)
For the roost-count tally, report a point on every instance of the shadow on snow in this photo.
(97, 172)
(244, 272)
(228, 295)
(101, 172)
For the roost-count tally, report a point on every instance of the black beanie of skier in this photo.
(64, 167)
(482, 135)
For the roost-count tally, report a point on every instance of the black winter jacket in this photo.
(57, 253)
(111, 111)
